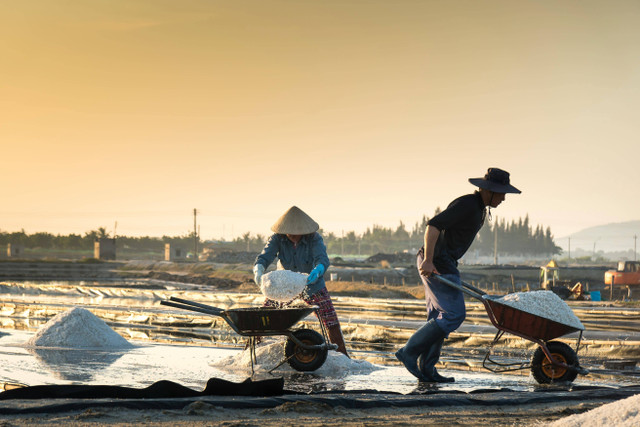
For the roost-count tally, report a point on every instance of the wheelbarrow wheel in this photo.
(302, 359)
(545, 372)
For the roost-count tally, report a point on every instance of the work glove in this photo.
(315, 274)
(258, 270)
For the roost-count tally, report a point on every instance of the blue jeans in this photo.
(444, 303)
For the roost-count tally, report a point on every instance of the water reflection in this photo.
(312, 383)
(76, 365)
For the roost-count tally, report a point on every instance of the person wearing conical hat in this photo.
(299, 247)
(447, 237)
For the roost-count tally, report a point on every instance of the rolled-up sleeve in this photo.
(269, 252)
(319, 252)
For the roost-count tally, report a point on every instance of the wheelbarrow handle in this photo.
(197, 304)
(464, 287)
(472, 288)
(201, 308)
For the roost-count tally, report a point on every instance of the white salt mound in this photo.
(283, 285)
(77, 328)
(621, 413)
(269, 355)
(545, 304)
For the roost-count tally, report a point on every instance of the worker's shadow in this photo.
(76, 365)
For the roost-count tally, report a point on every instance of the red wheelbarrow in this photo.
(552, 361)
(305, 349)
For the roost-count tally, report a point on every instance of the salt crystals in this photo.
(283, 285)
(77, 328)
(621, 413)
(544, 304)
(268, 355)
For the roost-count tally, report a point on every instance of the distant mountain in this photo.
(614, 237)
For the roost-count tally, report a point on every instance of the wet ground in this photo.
(187, 347)
(192, 366)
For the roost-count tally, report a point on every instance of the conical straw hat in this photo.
(295, 221)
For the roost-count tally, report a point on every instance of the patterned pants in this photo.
(326, 313)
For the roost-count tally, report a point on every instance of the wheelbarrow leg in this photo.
(252, 353)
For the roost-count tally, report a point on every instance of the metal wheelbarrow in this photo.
(552, 361)
(305, 349)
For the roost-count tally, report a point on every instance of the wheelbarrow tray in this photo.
(251, 321)
(523, 324)
(265, 320)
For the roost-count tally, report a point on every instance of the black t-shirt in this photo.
(458, 225)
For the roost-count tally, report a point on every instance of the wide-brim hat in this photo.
(295, 221)
(495, 180)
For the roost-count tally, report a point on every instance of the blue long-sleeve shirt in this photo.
(302, 257)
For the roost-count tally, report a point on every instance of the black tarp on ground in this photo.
(158, 390)
(356, 399)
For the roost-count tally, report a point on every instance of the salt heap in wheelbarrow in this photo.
(544, 304)
(283, 285)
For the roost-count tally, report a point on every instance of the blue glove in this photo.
(315, 274)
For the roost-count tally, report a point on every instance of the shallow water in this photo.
(192, 366)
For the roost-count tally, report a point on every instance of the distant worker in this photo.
(299, 247)
(446, 239)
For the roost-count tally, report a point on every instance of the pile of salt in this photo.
(77, 328)
(283, 285)
(269, 355)
(543, 304)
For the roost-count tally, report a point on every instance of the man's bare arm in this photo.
(431, 235)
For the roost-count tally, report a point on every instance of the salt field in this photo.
(189, 348)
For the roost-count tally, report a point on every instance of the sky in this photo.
(130, 114)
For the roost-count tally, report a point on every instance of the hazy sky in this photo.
(358, 112)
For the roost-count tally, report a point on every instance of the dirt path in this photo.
(309, 415)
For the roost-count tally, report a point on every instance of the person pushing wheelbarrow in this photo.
(446, 239)
(299, 247)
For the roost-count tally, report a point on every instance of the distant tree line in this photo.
(510, 238)
(48, 241)
(514, 238)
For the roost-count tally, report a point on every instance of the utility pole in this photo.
(635, 251)
(569, 248)
(195, 236)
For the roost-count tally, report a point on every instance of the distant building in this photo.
(14, 251)
(104, 249)
(172, 253)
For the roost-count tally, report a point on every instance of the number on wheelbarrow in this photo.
(545, 372)
(302, 359)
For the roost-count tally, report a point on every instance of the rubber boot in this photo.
(336, 337)
(427, 364)
(420, 342)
